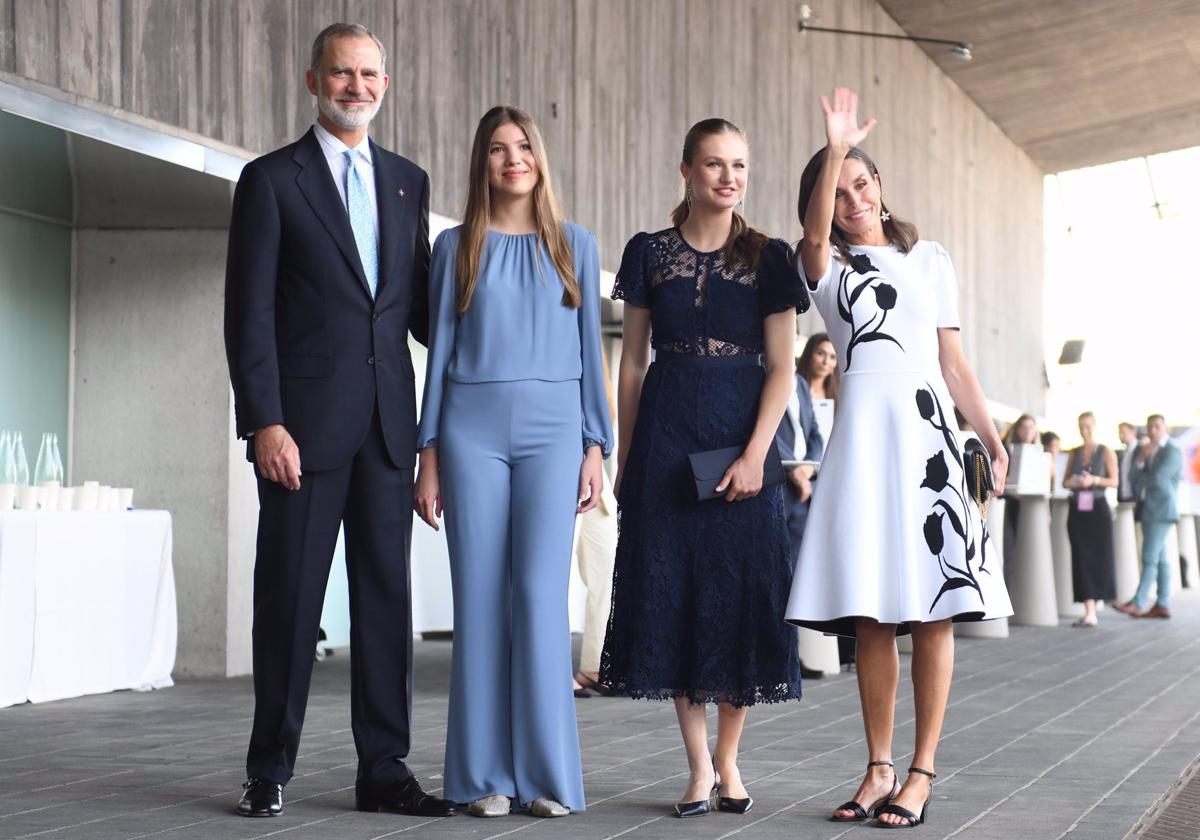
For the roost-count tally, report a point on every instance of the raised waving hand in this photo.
(841, 119)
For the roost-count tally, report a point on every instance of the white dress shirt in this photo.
(793, 415)
(1127, 459)
(334, 150)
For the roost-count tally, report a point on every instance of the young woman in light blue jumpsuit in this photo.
(513, 429)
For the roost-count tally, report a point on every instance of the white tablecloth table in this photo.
(87, 603)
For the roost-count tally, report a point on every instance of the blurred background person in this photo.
(1022, 430)
(1127, 490)
(818, 368)
(1091, 468)
(799, 439)
(595, 549)
(1051, 443)
(1159, 465)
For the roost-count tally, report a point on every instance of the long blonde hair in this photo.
(551, 234)
(744, 244)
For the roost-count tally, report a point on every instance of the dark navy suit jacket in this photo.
(810, 449)
(306, 344)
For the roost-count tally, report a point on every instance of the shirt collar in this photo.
(333, 147)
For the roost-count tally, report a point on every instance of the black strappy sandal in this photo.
(861, 813)
(914, 820)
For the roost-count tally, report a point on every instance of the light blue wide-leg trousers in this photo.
(1155, 568)
(509, 455)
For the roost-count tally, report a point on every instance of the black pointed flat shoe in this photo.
(693, 809)
(734, 806)
(698, 808)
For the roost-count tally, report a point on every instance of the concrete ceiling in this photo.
(1073, 82)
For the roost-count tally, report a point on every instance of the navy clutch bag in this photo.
(709, 467)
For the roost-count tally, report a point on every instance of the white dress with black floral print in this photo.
(893, 533)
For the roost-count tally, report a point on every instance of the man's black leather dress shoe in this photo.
(404, 797)
(260, 798)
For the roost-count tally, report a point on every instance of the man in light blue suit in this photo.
(1158, 468)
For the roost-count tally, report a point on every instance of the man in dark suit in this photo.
(1127, 491)
(327, 274)
(799, 439)
(1158, 467)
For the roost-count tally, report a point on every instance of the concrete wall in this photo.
(614, 85)
(150, 404)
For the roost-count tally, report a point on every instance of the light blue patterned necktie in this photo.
(362, 221)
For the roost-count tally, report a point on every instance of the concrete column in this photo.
(1060, 550)
(151, 395)
(1125, 550)
(996, 628)
(1187, 548)
(1033, 590)
(819, 652)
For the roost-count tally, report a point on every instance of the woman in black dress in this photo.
(1090, 469)
(699, 588)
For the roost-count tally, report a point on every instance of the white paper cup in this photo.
(85, 496)
(125, 495)
(27, 497)
(48, 495)
(8, 495)
(66, 498)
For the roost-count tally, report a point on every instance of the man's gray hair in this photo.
(343, 30)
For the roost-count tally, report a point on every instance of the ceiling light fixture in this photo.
(959, 49)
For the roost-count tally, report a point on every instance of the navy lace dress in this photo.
(699, 588)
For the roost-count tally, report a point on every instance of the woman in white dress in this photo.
(895, 544)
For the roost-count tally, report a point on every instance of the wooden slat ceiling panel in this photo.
(1073, 82)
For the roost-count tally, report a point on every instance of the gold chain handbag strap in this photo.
(982, 498)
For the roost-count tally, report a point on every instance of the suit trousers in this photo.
(1155, 568)
(297, 534)
(509, 455)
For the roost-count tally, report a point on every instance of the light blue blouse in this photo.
(517, 326)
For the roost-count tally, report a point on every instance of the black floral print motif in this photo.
(885, 302)
(954, 510)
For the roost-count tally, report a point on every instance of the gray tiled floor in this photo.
(1051, 732)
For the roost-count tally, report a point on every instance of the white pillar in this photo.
(1060, 550)
(1125, 551)
(1033, 590)
(1187, 548)
(818, 651)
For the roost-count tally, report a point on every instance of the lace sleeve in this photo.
(779, 284)
(631, 276)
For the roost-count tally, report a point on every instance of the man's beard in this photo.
(348, 119)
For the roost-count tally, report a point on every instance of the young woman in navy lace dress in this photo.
(699, 588)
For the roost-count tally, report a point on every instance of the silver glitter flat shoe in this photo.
(490, 806)
(544, 807)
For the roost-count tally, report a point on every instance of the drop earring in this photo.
(742, 204)
(687, 195)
